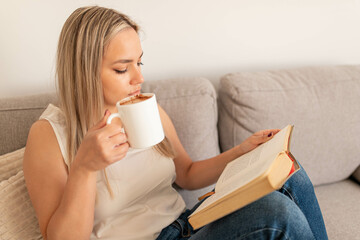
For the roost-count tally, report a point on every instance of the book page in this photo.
(245, 161)
(247, 167)
(253, 163)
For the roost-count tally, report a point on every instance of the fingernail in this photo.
(270, 134)
(106, 111)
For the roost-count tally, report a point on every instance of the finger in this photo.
(269, 132)
(102, 122)
(121, 151)
(272, 133)
(276, 131)
(260, 137)
(118, 139)
(122, 148)
(117, 153)
(112, 130)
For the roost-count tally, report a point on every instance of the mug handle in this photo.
(110, 118)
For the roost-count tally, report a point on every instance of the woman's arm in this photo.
(195, 175)
(64, 202)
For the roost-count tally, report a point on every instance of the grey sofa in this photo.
(323, 103)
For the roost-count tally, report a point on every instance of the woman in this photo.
(84, 180)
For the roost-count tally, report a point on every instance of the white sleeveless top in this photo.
(144, 200)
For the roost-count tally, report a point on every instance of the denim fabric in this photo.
(289, 213)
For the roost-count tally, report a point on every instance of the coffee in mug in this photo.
(135, 99)
(141, 120)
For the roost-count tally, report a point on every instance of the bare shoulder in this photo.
(40, 128)
(42, 157)
(41, 142)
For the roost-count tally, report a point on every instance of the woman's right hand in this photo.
(102, 145)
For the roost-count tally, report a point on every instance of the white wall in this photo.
(187, 38)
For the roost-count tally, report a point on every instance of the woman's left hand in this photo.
(256, 139)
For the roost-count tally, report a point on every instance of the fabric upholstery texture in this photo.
(190, 103)
(339, 203)
(18, 219)
(356, 174)
(192, 108)
(11, 164)
(321, 102)
(17, 115)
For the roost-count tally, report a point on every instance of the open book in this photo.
(248, 178)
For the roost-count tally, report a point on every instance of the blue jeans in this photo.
(292, 212)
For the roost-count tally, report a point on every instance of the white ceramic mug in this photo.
(141, 120)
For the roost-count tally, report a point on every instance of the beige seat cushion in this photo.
(340, 206)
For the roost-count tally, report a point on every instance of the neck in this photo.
(111, 108)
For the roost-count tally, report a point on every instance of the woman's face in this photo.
(121, 67)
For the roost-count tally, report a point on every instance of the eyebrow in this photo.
(126, 60)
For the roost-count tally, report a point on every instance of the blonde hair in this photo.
(82, 41)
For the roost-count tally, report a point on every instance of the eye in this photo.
(120, 71)
(140, 64)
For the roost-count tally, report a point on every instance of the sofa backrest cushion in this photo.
(190, 103)
(356, 174)
(17, 114)
(321, 102)
(192, 106)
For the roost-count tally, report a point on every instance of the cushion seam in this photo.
(190, 95)
(22, 109)
(237, 90)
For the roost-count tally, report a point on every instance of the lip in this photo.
(135, 93)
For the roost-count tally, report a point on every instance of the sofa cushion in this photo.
(321, 102)
(191, 105)
(18, 219)
(16, 117)
(356, 174)
(339, 203)
(11, 163)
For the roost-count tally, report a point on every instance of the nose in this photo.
(137, 77)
